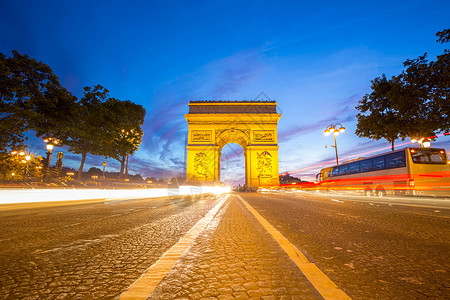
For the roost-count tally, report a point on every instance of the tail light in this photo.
(411, 183)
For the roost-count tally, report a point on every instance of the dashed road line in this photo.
(324, 285)
(144, 286)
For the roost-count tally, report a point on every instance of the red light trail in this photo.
(357, 155)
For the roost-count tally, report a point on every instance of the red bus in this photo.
(409, 171)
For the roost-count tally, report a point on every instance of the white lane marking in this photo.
(336, 200)
(327, 288)
(145, 285)
(425, 202)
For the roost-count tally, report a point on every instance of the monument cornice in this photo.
(231, 102)
(232, 107)
(229, 118)
(250, 124)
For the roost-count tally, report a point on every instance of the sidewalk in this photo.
(234, 258)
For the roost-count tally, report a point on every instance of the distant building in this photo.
(288, 179)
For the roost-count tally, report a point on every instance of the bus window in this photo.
(366, 165)
(335, 171)
(378, 163)
(353, 167)
(428, 156)
(395, 160)
(343, 169)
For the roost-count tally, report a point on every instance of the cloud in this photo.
(149, 168)
(232, 154)
(237, 71)
(296, 130)
(165, 125)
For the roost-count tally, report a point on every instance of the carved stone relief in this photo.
(232, 130)
(264, 166)
(219, 132)
(263, 135)
(201, 136)
(200, 164)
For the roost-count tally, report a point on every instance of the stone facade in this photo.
(251, 124)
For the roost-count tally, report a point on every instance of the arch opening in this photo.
(234, 137)
(232, 165)
(252, 125)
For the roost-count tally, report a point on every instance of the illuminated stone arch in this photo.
(251, 124)
(232, 135)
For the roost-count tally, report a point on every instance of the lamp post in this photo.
(335, 129)
(27, 160)
(51, 142)
(424, 142)
(104, 165)
(23, 157)
(49, 156)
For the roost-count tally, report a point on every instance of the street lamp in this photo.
(424, 142)
(49, 156)
(104, 165)
(22, 156)
(51, 142)
(335, 129)
(27, 159)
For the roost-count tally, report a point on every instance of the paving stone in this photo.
(250, 286)
(241, 296)
(238, 287)
(254, 293)
(225, 297)
(238, 259)
(91, 251)
(210, 292)
(225, 291)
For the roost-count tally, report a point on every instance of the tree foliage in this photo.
(15, 167)
(86, 132)
(104, 126)
(124, 130)
(412, 104)
(25, 85)
(53, 114)
(31, 98)
(383, 118)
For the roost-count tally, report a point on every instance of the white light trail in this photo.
(11, 196)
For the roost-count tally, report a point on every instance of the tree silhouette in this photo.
(412, 104)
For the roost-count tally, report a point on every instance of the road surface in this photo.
(237, 246)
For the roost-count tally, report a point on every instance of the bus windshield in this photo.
(428, 156)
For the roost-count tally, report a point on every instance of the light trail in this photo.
(359, 154)
(12, 196)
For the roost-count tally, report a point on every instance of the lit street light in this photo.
(23, 157)
(49, 156)
(27, 159)
(335, 129)
(50, 144)
(424, 142)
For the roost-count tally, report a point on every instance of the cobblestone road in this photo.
(97, 251)
(370, 250)
(235, 258)
(89, 251)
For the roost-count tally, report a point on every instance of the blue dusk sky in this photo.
(315, 58)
